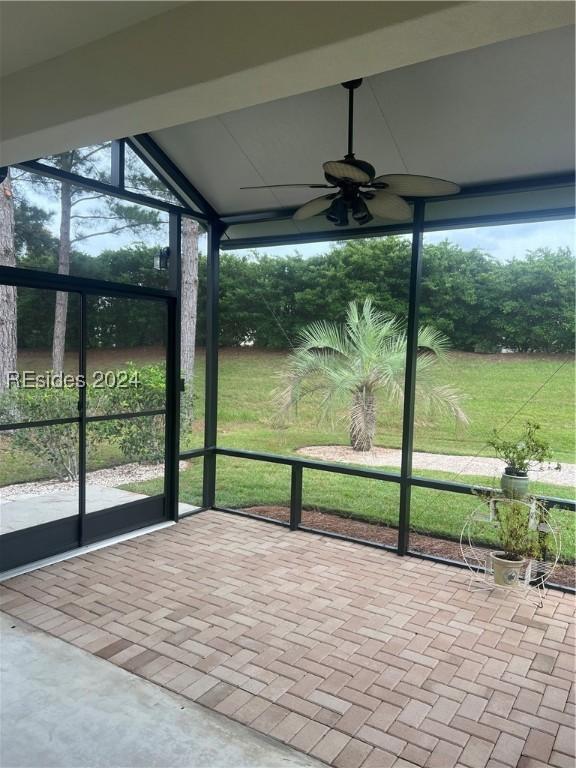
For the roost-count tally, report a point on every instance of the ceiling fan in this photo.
(359, 191)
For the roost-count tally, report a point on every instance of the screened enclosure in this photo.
(155, 435)
(176, 339)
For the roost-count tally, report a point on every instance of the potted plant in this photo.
(527, 452)
(518, 539)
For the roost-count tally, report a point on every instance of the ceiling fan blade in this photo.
(410, 185)
(341, 170)
(308, 186)
(313, 207)
(386, 205)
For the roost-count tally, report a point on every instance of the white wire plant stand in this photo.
(531, 580)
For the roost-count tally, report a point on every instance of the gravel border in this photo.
(458, 465)
(111, 477)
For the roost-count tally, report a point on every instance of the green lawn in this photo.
(497, 389)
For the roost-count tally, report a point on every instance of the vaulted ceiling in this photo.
(501, 111)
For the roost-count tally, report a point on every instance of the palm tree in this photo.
(347, 365)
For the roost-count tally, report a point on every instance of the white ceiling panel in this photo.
(504, 111)
(498, 112)
(212, 159)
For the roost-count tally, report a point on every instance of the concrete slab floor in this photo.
(63, 708)
(28, 511)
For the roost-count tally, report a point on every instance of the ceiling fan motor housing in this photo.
(361, 172)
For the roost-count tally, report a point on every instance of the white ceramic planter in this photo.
(506, 572)
(514, 486)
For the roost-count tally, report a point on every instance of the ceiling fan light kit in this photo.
(359, 192)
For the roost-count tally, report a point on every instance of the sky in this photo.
(502, 242)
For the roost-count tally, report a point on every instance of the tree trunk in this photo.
(189, 304)
(61, 311)
(8, 318)
(362, 421)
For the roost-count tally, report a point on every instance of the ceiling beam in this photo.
(155, 157)
(203, 58)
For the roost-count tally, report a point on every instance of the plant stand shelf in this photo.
(536, 572)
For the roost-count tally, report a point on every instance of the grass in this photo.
(497, 388)
(500, 390)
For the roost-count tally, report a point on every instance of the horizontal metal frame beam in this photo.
(124, 416)
(472, 190)
(192, 512)
(342, 537)
(41, 423)
(486, 220)
(416, 481)
(321, 466)
(257, 217)
(195, 453)
(77, 419)
(331, 235)
(526, 184)
(159, 162)
(334, 234)
(36, 278)
(33, 166)
(454, 487)
(252, 516)
(496, 219)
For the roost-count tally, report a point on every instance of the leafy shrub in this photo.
(527, 452)
(517, 538)
(140, 438)
(57, 445)
(145, 390)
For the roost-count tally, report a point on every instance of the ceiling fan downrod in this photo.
(351, 86)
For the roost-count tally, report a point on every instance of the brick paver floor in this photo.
(351, 654)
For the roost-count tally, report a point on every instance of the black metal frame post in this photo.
(82, 426)
(172, 424)
(172, 417)
(410, 376)
(215, 230)
(295, 496)
(118, 163)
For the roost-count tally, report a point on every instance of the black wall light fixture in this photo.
(162, 258)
